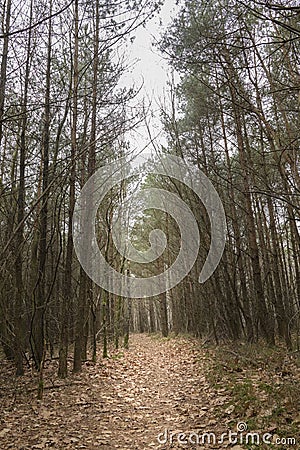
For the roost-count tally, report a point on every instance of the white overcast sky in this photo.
(151, 70)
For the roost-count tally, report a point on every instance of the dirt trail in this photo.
(123, 402)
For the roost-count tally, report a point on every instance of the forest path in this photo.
(124, 402)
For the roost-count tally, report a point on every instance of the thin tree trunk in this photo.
(38, 334)
(3, 76)
(19, 338)
(64, 336)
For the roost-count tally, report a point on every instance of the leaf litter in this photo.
(157, 387)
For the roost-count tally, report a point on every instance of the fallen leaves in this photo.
(128, 400)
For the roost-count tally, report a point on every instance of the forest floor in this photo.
(144, 397)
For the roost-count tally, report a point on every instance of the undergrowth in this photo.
(263, 387)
